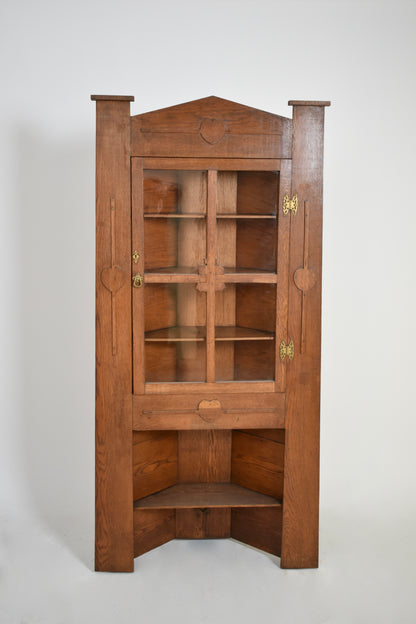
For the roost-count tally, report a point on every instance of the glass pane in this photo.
(246, 220)
(175, 334)
(175, 206)
(245, 345)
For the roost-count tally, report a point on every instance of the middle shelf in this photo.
(222, 333)
(202, 495)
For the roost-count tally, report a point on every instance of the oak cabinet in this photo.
(208, 283)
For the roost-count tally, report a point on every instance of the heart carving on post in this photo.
(113, 278)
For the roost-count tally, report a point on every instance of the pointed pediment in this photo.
(213, 127)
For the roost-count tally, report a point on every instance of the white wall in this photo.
(362, 56)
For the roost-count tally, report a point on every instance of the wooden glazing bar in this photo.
(247, 278)
(221, 164)
(211, 245)
(220, 386)
(172, 278)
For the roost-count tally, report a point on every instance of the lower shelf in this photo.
(203, 495)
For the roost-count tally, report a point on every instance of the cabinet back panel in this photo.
(160, 301)
(261, 528)
(160, 191)
(257, 463)
(160, 243)
(155, 461)
(160, 361)
(203, 523)
(256, 244)
(257, 192)
(152, 528)
(204, 456)
(256, 306)
(254, 360)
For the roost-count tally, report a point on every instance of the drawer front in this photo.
(209, 411)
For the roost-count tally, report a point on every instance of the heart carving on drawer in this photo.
(209, 404)
(209, 410)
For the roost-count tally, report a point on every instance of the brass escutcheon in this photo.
(137, 280)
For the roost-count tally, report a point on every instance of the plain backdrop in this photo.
(362, 56)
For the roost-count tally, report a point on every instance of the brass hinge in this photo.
(290, 204)
(286, 350)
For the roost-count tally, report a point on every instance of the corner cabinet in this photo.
(209, 228)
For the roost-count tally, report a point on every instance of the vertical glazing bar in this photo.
(211, 238)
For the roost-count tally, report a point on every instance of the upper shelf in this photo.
(174, 215)
(234, 215)
(232, 275)
(185, 333)
(195, 215)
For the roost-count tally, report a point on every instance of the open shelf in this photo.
(203, 495)
(186, 333)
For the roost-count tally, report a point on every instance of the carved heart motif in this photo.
(212, 130)
(305, 279)
(209, 404)
(113, 278)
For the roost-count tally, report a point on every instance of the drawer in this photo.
(209, 411)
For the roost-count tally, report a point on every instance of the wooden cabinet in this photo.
(209, 220)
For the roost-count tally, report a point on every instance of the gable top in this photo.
(211, 127)
(211, 104)
(213, 107)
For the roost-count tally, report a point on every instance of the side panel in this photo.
(114, 511)
(301, 481)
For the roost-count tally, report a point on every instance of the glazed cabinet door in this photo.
(209, 265)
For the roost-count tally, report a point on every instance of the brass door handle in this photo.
(137, 280)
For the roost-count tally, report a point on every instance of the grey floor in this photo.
(366, 575)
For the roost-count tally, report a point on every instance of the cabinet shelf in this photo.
(176, 334)
(234, 215)
(203, 495)
(241, 333)
(174, 215)
(186, 333)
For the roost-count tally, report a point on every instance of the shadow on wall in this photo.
(56, 197)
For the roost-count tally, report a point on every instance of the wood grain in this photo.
(225, 274)
(301, 487)
(152, 528)
(257, 463)
(261, 528)
(113, 484)
(249, 133)
(203, 495)
(204, 456)
(155, 461)
(207, 523)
